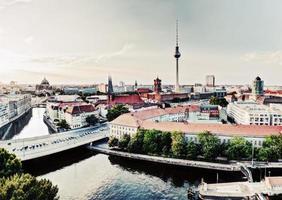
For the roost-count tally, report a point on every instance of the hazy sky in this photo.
(82, 41)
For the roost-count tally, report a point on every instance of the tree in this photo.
(9, 164)
(15, 185)
(216, 101)
(27, 187)
(239, 148)
(275, 142)
(191, 150)
(165, 143)
(210, 145)
(123, 142)
(116, 111)
(63, 124)
(150, 142)
(178, 146)
(113, 142)
(135, 144)
(267, 154)
(92, 120)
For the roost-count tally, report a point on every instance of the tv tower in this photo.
(177, 56)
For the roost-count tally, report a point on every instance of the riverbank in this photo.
(5, 128)
(170, 161)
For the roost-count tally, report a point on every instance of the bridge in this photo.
(36, 147)
(39, 102)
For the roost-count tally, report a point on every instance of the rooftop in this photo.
(142, 120)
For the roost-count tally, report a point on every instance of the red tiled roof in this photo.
(127, 99)
(217, 129)
(151, 113)
(141, 120)
(77, 109)
(144, 90)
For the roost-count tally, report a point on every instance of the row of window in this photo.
(123, 128)
(225, 140)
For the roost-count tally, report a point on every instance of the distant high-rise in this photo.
(257, 88)
(157, 85)
(110, 85)
(210, 80)
(177, 56)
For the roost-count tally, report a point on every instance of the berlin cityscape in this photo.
(140, 100)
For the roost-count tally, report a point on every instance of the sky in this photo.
(84, 41)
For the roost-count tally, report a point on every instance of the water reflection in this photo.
(30, 126)
(82, 174)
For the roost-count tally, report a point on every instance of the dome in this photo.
(258, 78)
(44, 82)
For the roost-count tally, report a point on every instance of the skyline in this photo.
(85, 41)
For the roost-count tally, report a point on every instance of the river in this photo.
(82, 174)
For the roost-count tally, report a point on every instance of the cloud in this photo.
(8, 3)
(73, 60)
(270, 57)
(122, 51)
(28, 40)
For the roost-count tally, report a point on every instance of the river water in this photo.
(82, 174)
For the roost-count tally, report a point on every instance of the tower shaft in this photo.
(177, 56)
(177, 77)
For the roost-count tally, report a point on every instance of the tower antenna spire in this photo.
(176, 32)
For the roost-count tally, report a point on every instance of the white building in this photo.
(70, 108)
(118, 128)
(76, 115)
(251, 113)
(13, 106)
(129, 123)
(4, 113)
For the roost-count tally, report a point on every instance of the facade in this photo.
(171, 120)
(4, 113)
(110, 86)
(13, 106)
(157, 85)
(75, 115)
(257, 87)
(103, 88)
(73, 111)
(210, 80)
(251, 113)
(129, 123)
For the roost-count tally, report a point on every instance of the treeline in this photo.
(14, 184)
(208, 147)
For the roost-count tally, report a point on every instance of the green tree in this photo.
(275, 142)
(113, 142)
(9, 164)
(216, 101)
(150, 142)
(239, 148)
(63, 124)
(92, 120)
(165, 142)
(267, 154)
(27, 187)
(123, 142)
(135, 144)
(210, 145)
(116, 111)
(178, 146)
(191, 150)
(15, 185)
